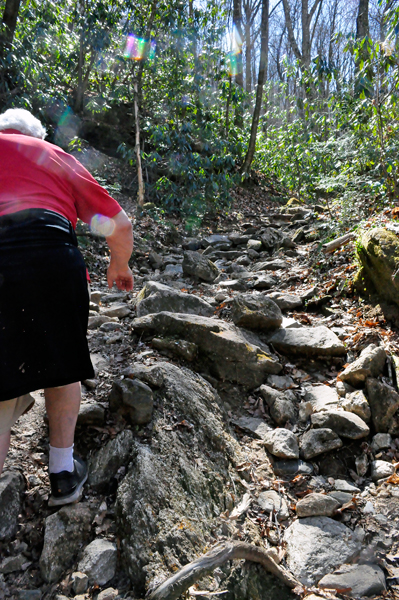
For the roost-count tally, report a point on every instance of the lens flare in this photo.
(234, 57)
(102, 225)
(138, 48)
(236, 41)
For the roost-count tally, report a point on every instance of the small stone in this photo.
(344, 486)
(359, 580)
(357, 403)
(281, 404)
(11, 488)
(156, 297)
(381, 441)
(308, 341)
(369, 364)
(341, 497)
(11, 564)
(384, 405)
(99, 561)
(286, 301)
(345, 424)
(380, 469)
(317, 505)
(369, 508)
(321, 397)
(254, 245)
(108, 594)
(91, 414)
(281, 382)
(29, 594)
(317, 441)
(98, 320)
(272, 501)
(132, 398)
(255, 311)
(199, 266)
(80, 582)
(362, 464)
(282, 443)
(290, 468)
(95, 296)
(257, 427)
(119, 310)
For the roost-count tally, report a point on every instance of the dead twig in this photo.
(179, 583)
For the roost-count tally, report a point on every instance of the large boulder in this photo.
(359, 580)
(199, 266)
(255, 311)
(170, 501)
(106, 462)
(378, 254)
(229, 353)
(156, 297)
(343, 423)
(316, 546)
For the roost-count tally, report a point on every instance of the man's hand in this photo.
(122, 277)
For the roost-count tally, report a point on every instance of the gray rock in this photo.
(65, 532)
(282, 443)
(199, 266)
(175, 489)
(362, 465)
(99, 561)
(264, 281)
(369, 364)
(271, 265)
(308, 341)
(98, 320)
(29, 594)
(80, 582)
(356, 402)
(273, 502)
(233, 284)
(106, 462)
(12, 564)
(133, 399)
(341, 497)
(344, 486)
(317, 441)
(119, 310)
(155, 260)
(317, 505)
(381, 441)
(381, 469)
(156, 297)
(286, 301)
(384, 406)
(255, 426)
(317, 545)
(281, 404)
(91, 413)
(254, 245)
(216, 240)
(281, 382)
(271, 238)
(191, 244)
(321, 397)
(255, 311)
(359, 580)
(290, 468)
(172, 270)
(95, 296)
(108, 594)
(12, 486)
(345, 424)
(180, 348)
(227, 351)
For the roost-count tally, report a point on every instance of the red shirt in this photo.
(37, 174)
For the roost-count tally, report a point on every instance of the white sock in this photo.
(61, 459)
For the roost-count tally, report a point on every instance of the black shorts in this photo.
(44, 304)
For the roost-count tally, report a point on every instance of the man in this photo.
(44, 299)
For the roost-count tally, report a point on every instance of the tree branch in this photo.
(290, 30)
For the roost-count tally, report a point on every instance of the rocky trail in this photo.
(243, 395)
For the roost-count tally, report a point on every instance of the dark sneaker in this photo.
(67, 487)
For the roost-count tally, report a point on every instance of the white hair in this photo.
(23, 121)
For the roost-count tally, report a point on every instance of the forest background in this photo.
(199, 97)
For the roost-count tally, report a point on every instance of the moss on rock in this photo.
(378, 255)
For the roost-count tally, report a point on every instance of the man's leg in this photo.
(62, 406)
(4, 445)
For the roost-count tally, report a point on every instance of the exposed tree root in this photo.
(176, 585)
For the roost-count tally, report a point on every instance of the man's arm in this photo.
(121, 245)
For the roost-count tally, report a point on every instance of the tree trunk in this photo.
(237, 18)
(248, 78)
(10, 17)
(140, 193)
(264, 48)
(362, 21)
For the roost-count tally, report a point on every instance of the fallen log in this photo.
(179, 583)
(341, 241)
